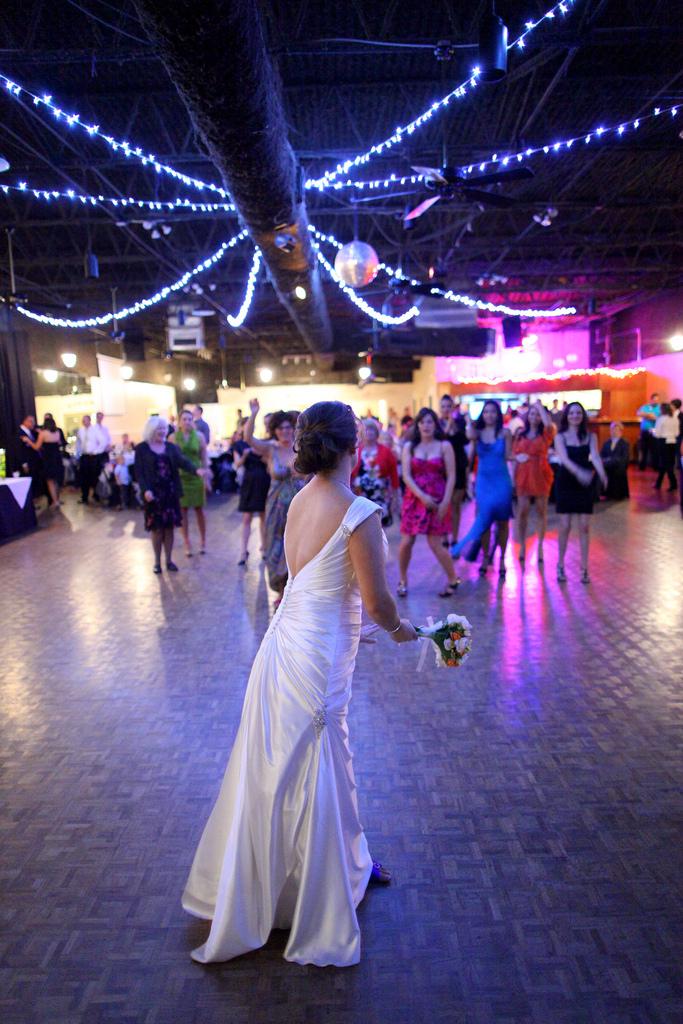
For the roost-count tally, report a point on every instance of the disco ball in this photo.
(357, 264)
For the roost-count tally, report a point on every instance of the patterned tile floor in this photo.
(529, 805)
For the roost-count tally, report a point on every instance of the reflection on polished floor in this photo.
(528, 804)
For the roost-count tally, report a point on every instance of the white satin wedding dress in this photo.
(284, 847)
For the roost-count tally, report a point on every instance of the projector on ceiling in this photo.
(184, 331)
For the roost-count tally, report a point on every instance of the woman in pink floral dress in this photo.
(429, 475)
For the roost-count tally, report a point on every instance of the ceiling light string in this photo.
(465, 88)
(238, 320)
(604, 371)
(141, 304)
(599, 134)
(85, 199)
(556, 147)
(461, 300)
(366, 308)
(74, 121)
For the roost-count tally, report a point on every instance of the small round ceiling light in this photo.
(69, 359)
(265, 374)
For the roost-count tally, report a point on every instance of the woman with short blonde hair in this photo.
(157, 470)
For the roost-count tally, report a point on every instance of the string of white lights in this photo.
(599, 134)
(157, 205)
(603, 371)
(369, 310)
(461, 300)
(559, 9)
(141, 304)
(238, 320)
(556, 147)
(73, 120)
(501, 307)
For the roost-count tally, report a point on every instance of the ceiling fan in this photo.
(449, 184)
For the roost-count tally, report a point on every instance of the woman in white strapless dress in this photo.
(284, 847)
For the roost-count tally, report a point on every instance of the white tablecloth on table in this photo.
(19, 487)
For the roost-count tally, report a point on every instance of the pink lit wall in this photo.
(665, 374)
(552, 351)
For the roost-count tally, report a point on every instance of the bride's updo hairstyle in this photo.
(324, 432)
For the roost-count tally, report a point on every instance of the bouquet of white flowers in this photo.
(451, 638)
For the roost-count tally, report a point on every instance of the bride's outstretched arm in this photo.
(366, 549)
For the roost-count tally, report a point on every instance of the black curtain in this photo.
(17, 397)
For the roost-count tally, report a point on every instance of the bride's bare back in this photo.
(313, 518)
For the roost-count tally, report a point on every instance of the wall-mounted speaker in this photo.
(134, 345)
(512, 331)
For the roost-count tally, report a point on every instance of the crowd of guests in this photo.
(419, 470)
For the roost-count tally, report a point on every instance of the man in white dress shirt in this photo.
(103, 437)
(88, 441)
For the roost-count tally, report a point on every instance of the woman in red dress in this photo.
(533, 474)
(375, 474)
(429, 475)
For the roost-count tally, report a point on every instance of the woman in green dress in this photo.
(278, 454)
(193, 446)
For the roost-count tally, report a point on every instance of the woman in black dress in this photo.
(615, 459)
(454, 427)
(253, 494)
(49, 444)
(157, 466)
(577, 454)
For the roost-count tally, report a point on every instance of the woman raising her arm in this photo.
(285, 482)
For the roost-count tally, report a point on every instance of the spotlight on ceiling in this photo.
(365, 372)
(91, 266)
(126, 372)
(4, 164)
(285, 240)
(166, 228)
(546, 217)
(676, 343)
(69, 359)
(265, 374)
(156, 233)
(50, 376)
(300, 292)
(189, 384)
(493, 48)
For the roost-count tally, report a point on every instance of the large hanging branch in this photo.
(215, 53)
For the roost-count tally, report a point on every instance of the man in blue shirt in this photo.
(648, 414)
(200, 424)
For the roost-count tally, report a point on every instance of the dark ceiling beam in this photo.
(617, 35)
(216, 55)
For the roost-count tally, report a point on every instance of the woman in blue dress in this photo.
(493, 445)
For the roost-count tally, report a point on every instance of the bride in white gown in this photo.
(284, 846)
